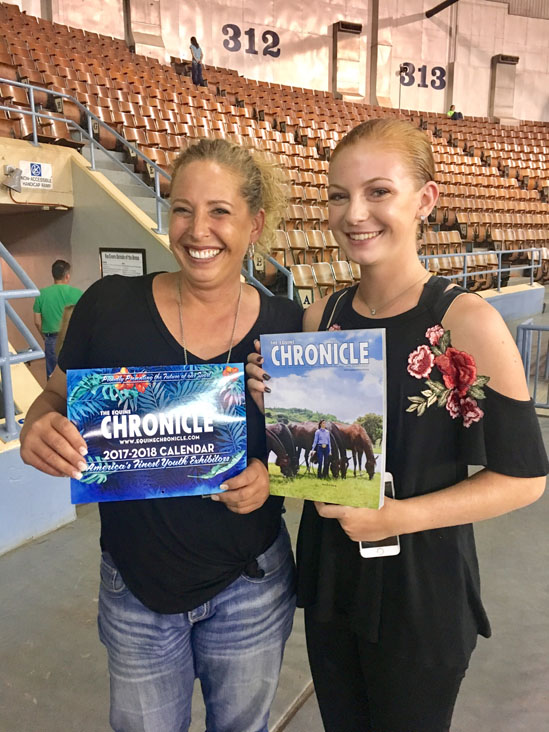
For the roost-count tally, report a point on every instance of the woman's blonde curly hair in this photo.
(263, 183)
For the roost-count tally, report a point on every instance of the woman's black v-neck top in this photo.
(425, 602)
(174, 554)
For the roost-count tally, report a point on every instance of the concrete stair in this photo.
(120, 173)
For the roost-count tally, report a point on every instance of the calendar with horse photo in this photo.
(326, 415)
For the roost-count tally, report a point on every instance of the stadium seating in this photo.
(494, 180)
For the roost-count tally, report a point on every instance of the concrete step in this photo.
(134, 191)
(148, 206)
(104, 161)
(122, 179)
(121, 175)
(142, 196)
(145, 204)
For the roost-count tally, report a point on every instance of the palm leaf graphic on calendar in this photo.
(160, 431)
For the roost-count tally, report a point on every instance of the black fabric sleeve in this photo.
(507, 439)
(74, 353)
(281, 315)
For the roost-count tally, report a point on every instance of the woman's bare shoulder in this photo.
(313, 314)
(477, 328)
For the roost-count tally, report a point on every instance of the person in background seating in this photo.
(49, 306)
(453, 114)
(197, 56)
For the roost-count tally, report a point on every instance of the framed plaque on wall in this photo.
(122, 261)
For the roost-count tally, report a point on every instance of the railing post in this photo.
(465, 270)
(255, 282)
(536, 372)
(498, 253)
(33, 117)
(520, 341)
(9, 430)
(525, 333)
(159, 223)
(92, 142)
(528, 352)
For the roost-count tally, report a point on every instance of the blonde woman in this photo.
(189, 587)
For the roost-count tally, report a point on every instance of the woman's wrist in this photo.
(410, 515)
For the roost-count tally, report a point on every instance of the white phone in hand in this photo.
(386, 547)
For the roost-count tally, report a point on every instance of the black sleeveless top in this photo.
(425, 601)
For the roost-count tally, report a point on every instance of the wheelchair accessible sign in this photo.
(35, 175)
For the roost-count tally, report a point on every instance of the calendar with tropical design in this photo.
(157, 432)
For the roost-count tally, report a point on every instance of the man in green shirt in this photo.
(48, 309)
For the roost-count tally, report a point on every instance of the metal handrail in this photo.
(248, 272)
(532, 265)
(10, 430)
(134, 150)
(160, 202)
(524, 344)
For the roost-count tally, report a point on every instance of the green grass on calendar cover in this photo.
(360, 491)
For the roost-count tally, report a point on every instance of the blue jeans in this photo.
(323, 456)
(196, 73)
(49, 351)
(234, 644)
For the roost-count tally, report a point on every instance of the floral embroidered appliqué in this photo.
(335, 326)
(460, 387)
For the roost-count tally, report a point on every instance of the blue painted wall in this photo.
(521, 304)
(31, 503)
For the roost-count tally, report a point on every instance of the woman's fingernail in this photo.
(77, 476)
(214, 497)
(83, 451)
(256, 340)
(266, 376)
(260, 360)
(82, 466)
(267, 390)
(223, 487)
